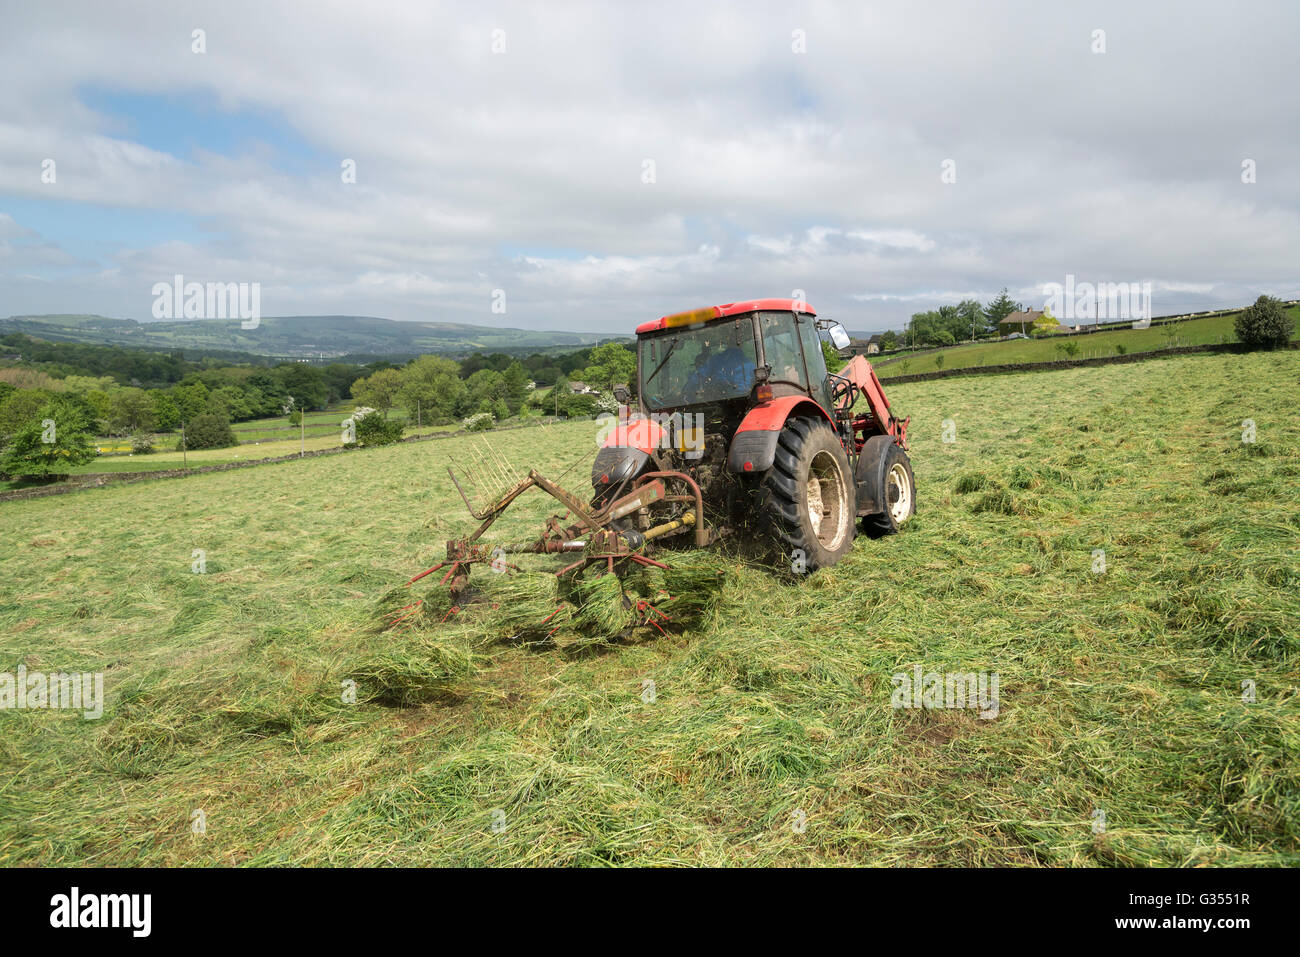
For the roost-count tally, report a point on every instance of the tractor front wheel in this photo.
(809, 493)
(898, 489)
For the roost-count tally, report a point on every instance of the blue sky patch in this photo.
(182, 124)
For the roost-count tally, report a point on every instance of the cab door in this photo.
(818, 384)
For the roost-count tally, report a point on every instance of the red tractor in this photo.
(737, 425)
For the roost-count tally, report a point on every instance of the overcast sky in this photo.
(526, 170)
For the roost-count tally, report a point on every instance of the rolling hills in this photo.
(295, 336)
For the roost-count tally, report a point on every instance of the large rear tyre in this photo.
(899, 489)
(809, 494)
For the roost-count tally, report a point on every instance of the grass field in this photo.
(770, 738)
(1194, 332)
(323, 433)
(276, 428)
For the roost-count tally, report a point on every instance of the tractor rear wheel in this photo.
(809, 493)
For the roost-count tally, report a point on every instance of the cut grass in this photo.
(1121, 692)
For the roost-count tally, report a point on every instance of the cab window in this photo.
(782, 348)
(712, 363)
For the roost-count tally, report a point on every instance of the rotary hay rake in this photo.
(608, 584)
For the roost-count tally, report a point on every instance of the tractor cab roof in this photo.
(696, 317)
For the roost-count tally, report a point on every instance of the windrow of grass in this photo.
(274, 694)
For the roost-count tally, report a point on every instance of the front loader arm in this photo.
(864, 380)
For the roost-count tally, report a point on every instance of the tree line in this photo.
(88, 390)
(948, 325)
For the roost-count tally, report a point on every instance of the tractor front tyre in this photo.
(898, 488)
(809, 494)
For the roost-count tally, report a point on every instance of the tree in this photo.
(166, 414)
(380, 390)
(101, 404)
(609, 365)
(191, 399)
(49, 445)
(516, 380)
(305, 383)
(20, 409)
(210, 430)
(431, 387)
(888, 341)
(1265, 324)
(546, 375)
(832, 357)
(21, 377)
(71, 411)
(571, 406)
(230, 401)
(483, 388)
(82, 384)
(339, 377)
(1001, 307)
(473, 363)
(972, 319)
(942, 326)
(372, 430)
(130, 410)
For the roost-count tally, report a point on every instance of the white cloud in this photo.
(774, 170)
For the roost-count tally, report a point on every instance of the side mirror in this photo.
(622, 394)
(839, 338)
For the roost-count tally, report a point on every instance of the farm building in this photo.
(865, 347)
(1019, 322)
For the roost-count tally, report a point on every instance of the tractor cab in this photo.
(741, 353)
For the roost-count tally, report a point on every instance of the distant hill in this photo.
(316, 337)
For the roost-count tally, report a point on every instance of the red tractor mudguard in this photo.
(753, 449)
(625, 450)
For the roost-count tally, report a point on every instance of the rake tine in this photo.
(427, 571)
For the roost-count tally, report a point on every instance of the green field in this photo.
(1194, 332)
(259, 439)
(770, 739)
(276, 428)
